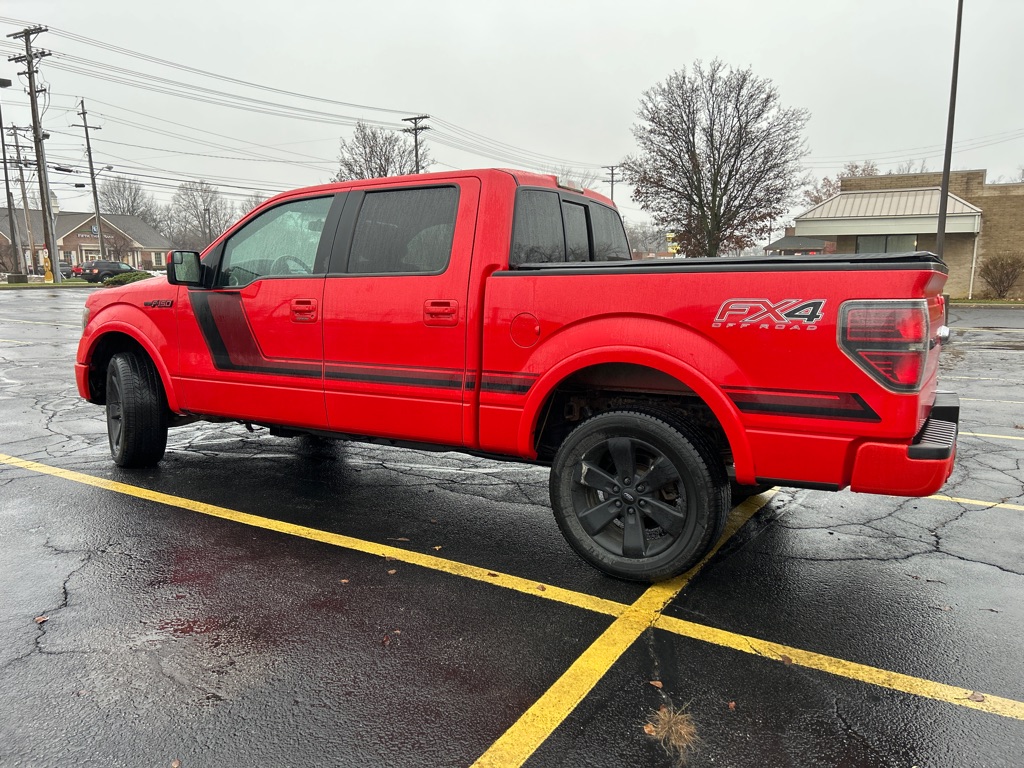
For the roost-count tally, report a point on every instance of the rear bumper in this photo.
(918, 469)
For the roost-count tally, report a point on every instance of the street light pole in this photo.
(940, 234)
(19, 253)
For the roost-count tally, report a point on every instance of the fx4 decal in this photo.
(788, 314)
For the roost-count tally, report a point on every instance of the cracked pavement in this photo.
(174, 636)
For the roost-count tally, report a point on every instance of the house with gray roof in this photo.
(125, 238)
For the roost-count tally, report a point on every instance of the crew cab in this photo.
(499, 313)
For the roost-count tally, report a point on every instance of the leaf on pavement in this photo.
(386, 640)
(542, 588)
(649, 729)
(397, 538)
(437, 549)
(344, 581)
(41, 619)
(975, 696)
(785, 659)
(657, 684)
(732, 706)
(392, 571)
(175, 763)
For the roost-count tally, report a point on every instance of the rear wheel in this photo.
(136, 411)
(639, 496)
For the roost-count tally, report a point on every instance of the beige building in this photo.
(899, 212)
(127, 238)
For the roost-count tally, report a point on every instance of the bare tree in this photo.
(719, 157)
(645, 236)
(585, 177)
(909, 166)
(816, 192)
(197, 214)
(374, 153)
(118, 247)
(251, 202)
(124, 195)
(1020, 174)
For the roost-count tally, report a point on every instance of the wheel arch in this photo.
(654, 374)
(121, 337)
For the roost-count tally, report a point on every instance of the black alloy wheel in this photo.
(639, 496)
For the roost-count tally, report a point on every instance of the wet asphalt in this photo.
(171, 635)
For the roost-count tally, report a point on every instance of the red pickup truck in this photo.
(499, 313)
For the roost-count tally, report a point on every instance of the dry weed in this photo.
(674, 730)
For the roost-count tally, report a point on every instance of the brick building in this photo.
(899, 212)
(127, 238)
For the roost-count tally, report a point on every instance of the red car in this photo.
(499, 313)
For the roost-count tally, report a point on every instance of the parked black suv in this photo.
(97, 271)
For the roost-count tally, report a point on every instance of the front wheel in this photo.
(136, 411)
(639, 496)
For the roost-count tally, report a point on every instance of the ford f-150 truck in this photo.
(499, 313)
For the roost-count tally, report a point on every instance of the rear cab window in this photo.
(553, 227)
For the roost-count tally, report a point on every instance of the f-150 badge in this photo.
(788, 314)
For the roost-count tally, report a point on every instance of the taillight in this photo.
(888, 339)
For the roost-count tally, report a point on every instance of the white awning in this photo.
(887, 212)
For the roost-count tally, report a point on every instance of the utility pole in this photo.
(415, 131)
(12, 224)
(940, 233)
(611, 178)
(29, 59)
(24, 199)
(92, 175)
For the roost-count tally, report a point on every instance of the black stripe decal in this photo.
(441, 378)
(508, 383)
(820, 405)
(245, 356)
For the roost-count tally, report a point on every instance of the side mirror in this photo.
(184, 268)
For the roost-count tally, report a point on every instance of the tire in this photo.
(103, 276)
(136, 411)
(623, 525)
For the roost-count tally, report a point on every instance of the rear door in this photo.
(395, 311)
(251, 347)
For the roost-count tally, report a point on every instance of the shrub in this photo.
(1001, 272)
(127, 277)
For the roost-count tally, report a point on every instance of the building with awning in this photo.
(899, 212)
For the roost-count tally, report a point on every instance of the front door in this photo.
(252, 346)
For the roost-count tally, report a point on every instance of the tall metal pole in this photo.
(19, 254)
(24, 201)
(940, 234)
(37, 135)
(92, 176)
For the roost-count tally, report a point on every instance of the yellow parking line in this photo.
(976, 503)
(997, 437)
(527, 586)
(522, 739)
(530, 731)
(963, 697)
(13, 341)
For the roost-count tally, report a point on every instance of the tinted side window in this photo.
(609, 235)
(280, 242)
(537, 236)
(577, 242)
(408, 231)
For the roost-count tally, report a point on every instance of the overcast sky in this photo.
(525, 82)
